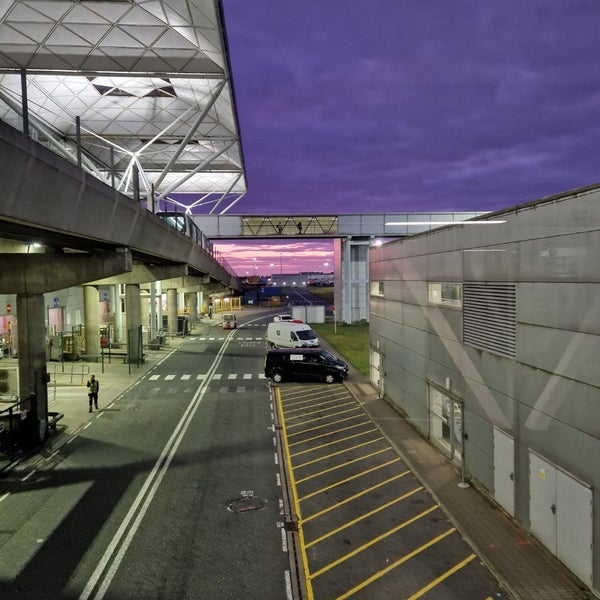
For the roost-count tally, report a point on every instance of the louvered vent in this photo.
(489, 317)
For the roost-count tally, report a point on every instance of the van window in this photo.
(293, 336)
(309, 334)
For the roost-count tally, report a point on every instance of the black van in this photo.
(304, 363)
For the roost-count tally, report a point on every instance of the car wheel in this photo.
(329, 378)
(277, 377)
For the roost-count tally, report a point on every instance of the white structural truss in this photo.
(138, 92)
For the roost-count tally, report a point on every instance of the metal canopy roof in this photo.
(149, 83)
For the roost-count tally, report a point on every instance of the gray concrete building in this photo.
(487, 337)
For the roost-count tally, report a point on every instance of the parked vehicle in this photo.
(304, 363)
(229, 321)
(283, 317)
(289, 334)
(287, 318)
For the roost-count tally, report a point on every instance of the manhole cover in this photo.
(247, 501)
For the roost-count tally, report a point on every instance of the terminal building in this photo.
(487, 337)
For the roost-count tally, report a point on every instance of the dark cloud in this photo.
(396, 105)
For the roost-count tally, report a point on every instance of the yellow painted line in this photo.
(309, 590)
(342, 451)
(374, 541)
(313, 402)
(344, 464)
(307, 413)
(389, 568)
(328, 433)
(307, 396)
(334, 442)
(338, 483)
(341, 412)
(355, 496)
(363, 516)
(442, 577)
(318, 427)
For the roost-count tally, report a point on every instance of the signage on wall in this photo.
(8, 308)
(55, 302)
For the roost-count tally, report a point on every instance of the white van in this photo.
(287, 334)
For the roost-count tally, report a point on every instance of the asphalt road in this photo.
(172, 492)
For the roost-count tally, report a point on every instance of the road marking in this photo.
(328, 433)
(344, 451)
(154, 377)
(361, 474)
(337, 422)
(30, 474)
(357, 495)
(319, 409)
(391, 567)
(169, 377)
(344, 464)
(336, 441)
(185, 377)
(113, 556)
(363, 516)
(442, 577)
(4, 496)
(355, 409)
(378, 539)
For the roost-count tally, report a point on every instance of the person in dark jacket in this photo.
(93, 388)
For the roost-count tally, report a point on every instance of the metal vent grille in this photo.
(489, 317)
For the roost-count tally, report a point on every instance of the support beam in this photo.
(32, 274)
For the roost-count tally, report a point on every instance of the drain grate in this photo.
(246, 502)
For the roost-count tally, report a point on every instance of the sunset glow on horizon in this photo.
(264, 258)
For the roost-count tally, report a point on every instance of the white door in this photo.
(504, 470)
(542, 502)
(561, 515)
(574, 521)
(377, 372)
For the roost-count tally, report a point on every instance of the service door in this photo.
(542, 503)
(562, 515)
(574, 521)
(504, 470)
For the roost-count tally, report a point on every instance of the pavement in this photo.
(523, 566)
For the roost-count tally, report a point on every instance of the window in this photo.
(377, 288)
(448, 294)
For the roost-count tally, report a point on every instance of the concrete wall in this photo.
(547, 395)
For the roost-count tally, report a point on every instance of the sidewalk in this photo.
(525, 568)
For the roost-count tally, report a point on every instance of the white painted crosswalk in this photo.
(202, 376)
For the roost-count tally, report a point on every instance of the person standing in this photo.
(93, 388)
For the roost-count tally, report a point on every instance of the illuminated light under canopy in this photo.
(421, 223)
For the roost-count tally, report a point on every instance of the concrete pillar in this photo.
(172, 310)
(91, 299)
(118, 333)
(192, 302)
(33, 379)
(133, 309)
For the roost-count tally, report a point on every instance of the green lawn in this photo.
(350, 341)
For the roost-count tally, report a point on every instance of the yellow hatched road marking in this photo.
(389, 568)
(363, 517)
(309, 590)
(366, 491)
(303, 431)
(442, 577)
(310, 403)
(317, 437)
(345, 464)
(319, 410)
(343, 451)
(341, 412)
(338, 441)
(374, 541)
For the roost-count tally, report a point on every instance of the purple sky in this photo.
(349, 106)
